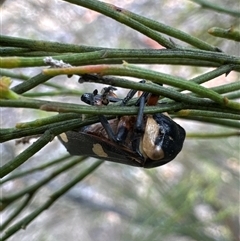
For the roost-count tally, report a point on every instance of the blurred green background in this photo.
(193, 198)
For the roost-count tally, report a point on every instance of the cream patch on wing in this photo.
(64, 137)
(98, 150)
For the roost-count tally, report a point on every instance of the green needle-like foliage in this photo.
(149, 204)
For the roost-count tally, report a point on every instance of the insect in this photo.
(140, 140)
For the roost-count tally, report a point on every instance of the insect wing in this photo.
(85, 144)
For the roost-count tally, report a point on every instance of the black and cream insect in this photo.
(141, 140)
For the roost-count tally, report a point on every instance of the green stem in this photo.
(11, 133)
(11, 51)
(48, 120)
(16, 212)
(12, 74)
(227, 88)
(161, 78)
(76, 108)
(233, 95)
(213, 135)
(16, 62)
(217, 8)
(226, 123)
(66, 92)
(38, 127)
(35, 147)
(116, 13)
(33, 188)
(115, 109)
(64, 122)
(230, 33)
(176, 33)
(32, 170)
(38, 45)
(199, 113)
(25, 155)
(22, 77)
(129, 55)
(31, 83)
(224, 69)
(30, 217)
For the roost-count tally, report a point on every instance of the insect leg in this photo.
(139, 128)
(124, 126)
(130, 95)
(107, 127)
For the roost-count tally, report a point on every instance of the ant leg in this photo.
(107, 96)
(96, 100)
(130, 94)
(106, 93)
